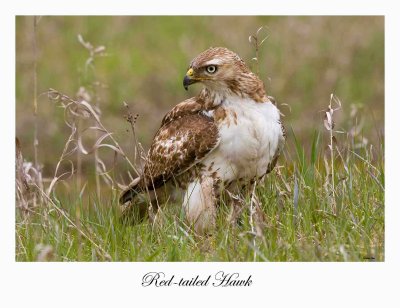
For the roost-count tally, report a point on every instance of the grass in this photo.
(323, 202)
(303, 230)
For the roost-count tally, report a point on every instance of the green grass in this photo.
(308, 232)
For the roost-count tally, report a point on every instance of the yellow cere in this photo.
(189, 72)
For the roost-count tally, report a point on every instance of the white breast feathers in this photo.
(250, 134)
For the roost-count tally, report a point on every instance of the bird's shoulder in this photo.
(188, 107)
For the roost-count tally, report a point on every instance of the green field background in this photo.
(302, 62)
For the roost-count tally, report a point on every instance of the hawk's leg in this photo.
(199, 204)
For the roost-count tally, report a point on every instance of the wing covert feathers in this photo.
(185, 137)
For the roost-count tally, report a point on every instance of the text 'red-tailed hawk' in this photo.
(226, 137)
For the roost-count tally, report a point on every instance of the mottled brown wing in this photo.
(185, 137)
(190, 106)
(179, 145)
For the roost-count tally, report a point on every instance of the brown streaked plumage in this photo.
(229, 133)
(184, 138)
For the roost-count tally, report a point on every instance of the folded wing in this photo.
(185, 137)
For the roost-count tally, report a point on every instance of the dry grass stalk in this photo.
(74, 110)
(26, 177)
(330, 125)
(256, 218)
(22, 188)
(131, 119)
(64, 155)
(94, 52)
(256, 41)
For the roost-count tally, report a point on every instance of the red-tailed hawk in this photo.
(224, 138)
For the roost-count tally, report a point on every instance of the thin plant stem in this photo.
(252, 211)
(78, 157)
(332, 162)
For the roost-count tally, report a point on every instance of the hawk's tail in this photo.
(131, 192)
(136, 210)
(136, 199)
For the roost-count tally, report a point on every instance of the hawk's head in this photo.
(222, 70)
(214, 67)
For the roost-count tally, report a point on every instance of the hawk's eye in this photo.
(211, 69)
